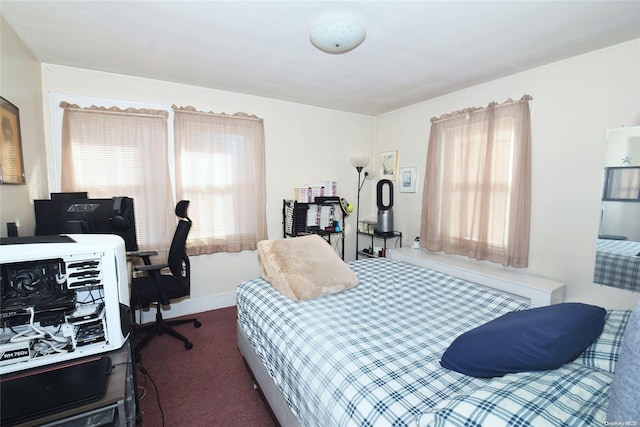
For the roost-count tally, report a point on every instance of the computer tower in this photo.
(61, 298)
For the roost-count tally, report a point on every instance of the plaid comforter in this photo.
(572, 395)
(370, 356)
(618, 264)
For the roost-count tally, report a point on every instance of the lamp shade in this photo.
(359, 162)
(370, 174)
(337, 35)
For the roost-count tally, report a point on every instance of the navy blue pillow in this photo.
(537, 339)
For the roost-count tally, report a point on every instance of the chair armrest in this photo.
(145, 255)
(152, 267)
(142, 253)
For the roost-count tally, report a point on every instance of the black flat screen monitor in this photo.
(91, 216)
(72, 195)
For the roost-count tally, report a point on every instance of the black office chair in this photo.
(158, 288)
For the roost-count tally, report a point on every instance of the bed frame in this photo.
(537, 290)
(264, 383)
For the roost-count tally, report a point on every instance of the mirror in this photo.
(618, 249)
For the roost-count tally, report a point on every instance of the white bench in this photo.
(539, 291)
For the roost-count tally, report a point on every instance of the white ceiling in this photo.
(414, 50)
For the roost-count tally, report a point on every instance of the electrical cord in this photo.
(61, 277)
(4, 331)
(91, 299)
(144, 392)
(155, 386)
(47, 335)
(22, 336)
(45, 343)
(45, 347)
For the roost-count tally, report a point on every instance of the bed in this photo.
(618, 264)
(370, 355)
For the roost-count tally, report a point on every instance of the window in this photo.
(220, 167)
(132, 152)
(476, 199)
(115, 152)
(622, 184)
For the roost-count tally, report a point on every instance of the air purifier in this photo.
(385, 211)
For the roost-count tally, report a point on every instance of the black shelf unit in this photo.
(397, 235)
(295, 221)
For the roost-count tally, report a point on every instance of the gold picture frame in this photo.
(11, 163)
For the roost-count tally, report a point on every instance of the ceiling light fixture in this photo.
(337, 35)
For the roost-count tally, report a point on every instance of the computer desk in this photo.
(116, 408)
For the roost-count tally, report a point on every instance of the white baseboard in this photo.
(189, 306)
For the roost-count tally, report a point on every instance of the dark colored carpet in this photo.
(208, 385)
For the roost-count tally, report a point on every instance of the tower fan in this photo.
(385, 212)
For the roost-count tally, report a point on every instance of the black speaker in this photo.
(119, 219)
(385, 212)
(12, 229)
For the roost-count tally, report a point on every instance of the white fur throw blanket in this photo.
(304, 267)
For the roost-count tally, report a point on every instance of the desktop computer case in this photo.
(88, 313)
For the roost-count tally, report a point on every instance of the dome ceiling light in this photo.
(337, 35)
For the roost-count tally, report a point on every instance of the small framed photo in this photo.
(11, 164)
(389, 165)
(407, 179)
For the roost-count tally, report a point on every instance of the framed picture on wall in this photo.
(407, 180)
(11, 164)
(389, 165)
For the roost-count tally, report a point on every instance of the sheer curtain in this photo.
(220, 167)
(477, 191)
(114, 152)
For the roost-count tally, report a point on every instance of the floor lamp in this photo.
(359, 163)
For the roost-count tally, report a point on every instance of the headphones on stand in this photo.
(120, 216)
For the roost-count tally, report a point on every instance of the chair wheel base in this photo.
(188, 345)
(197, 324)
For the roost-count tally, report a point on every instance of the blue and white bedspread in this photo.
(572, 395)
(618, 264)
(370, 356)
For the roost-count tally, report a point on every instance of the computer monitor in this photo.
(70, 195)
(92, 216)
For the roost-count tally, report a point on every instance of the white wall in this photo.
(20, 84)
(575, 101)
(304, 145)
